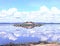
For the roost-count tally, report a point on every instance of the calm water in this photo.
(47, 32)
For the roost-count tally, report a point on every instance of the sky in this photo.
(30, 10)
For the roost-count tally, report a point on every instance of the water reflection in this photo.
(47, 32)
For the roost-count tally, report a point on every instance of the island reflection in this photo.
(28, 25)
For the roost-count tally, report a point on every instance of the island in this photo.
(28, 25)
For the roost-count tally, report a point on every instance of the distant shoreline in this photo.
(34, 22)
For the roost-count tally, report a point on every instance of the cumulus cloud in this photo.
(44, 14)
(44, 9)
(55, 10)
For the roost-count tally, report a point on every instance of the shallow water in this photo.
(47, 32)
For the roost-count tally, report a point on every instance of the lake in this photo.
(46, 32)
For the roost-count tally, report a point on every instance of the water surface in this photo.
(47, 32)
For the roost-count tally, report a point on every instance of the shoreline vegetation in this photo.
(40, 43)
(28, 25)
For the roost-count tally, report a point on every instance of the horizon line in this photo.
(33, 22)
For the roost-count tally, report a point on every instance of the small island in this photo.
(28, 25)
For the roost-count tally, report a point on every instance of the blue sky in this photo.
(30, 10)
(28, 5)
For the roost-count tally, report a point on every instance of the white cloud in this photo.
(55, 10)
(11, 10)
(43, 15)
(44, 9)
(3, 13)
